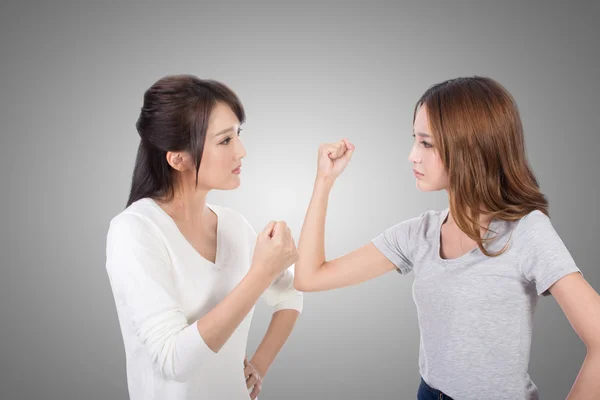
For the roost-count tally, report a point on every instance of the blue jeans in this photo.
(426, 392)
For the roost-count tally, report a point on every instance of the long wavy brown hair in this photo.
(477, 127)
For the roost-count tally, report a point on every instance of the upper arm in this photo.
(581, 305)
(358, 266)
(543, 257)
(391, 249)
(139, 271)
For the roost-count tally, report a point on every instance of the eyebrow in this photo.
(224, 131)
(422, 134)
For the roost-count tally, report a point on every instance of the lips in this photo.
(237, 170)
(417, 173)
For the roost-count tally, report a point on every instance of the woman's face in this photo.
(222, 154)
(221, 163)
(428, 167)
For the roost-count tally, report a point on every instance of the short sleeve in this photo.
(396, 241)
(281, 294)
(139, 272)
(543, 257)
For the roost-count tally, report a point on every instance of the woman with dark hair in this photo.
(185, 274)
(475, 292)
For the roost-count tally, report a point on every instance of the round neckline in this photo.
(182, 236)
(443, 217)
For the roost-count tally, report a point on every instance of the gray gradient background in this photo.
(71, 83)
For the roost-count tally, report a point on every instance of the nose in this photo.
(240, 151)
(414, 156)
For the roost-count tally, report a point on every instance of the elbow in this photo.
(303, 286)
(305, 281)
(592, 345)
(179, 356)
(165, 366)
(297, 284)
(300, 285)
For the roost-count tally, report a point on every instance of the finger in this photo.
(350, 150)
(349, 145)
(337, 150)
(251, 381)
(348, 154)
(332, 150)
(255, 391)
(249, 370)
(279, 228)
(268, 231)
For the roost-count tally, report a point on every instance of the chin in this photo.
(233, 184)
(424, 187)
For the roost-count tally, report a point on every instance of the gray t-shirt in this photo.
(475, 312)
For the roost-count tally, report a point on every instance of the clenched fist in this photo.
(275, 249)
(333, 158)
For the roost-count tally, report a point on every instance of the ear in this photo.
(178, 160)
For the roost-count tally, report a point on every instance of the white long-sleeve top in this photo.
(162, 286)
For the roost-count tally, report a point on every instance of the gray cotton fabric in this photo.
(475, 312)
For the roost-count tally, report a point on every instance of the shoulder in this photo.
(431, 216)
(534, 222)
(420, 225)
(427, 220)
(137, 220)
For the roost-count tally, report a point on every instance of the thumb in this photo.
(349, 149)
(268, 231)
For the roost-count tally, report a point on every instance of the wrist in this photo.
(259, 273)
(325, 182)
(261, 367)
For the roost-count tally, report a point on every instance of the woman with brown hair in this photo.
(479, 264)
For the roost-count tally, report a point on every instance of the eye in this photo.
(226, 141)
(425, 144)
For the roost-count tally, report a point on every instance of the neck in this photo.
(484, 220)
(187, 204)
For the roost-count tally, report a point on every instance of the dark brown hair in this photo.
(477, 127)
(174, 117)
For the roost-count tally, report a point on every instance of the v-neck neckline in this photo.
(182, 236)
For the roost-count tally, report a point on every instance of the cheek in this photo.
(211, 159)
(434, 168)
(208, 166)
(437, 164)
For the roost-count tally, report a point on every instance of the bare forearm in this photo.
(218, 325)
(587, 384)
(311, 245)
(279, 330)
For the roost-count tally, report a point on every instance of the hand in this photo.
(253, 378)
(333, 158)
(275, 249)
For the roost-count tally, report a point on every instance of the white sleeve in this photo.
(281, 294)
(140, 275)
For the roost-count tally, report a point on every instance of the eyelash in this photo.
(226, 141)
(427, 145)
